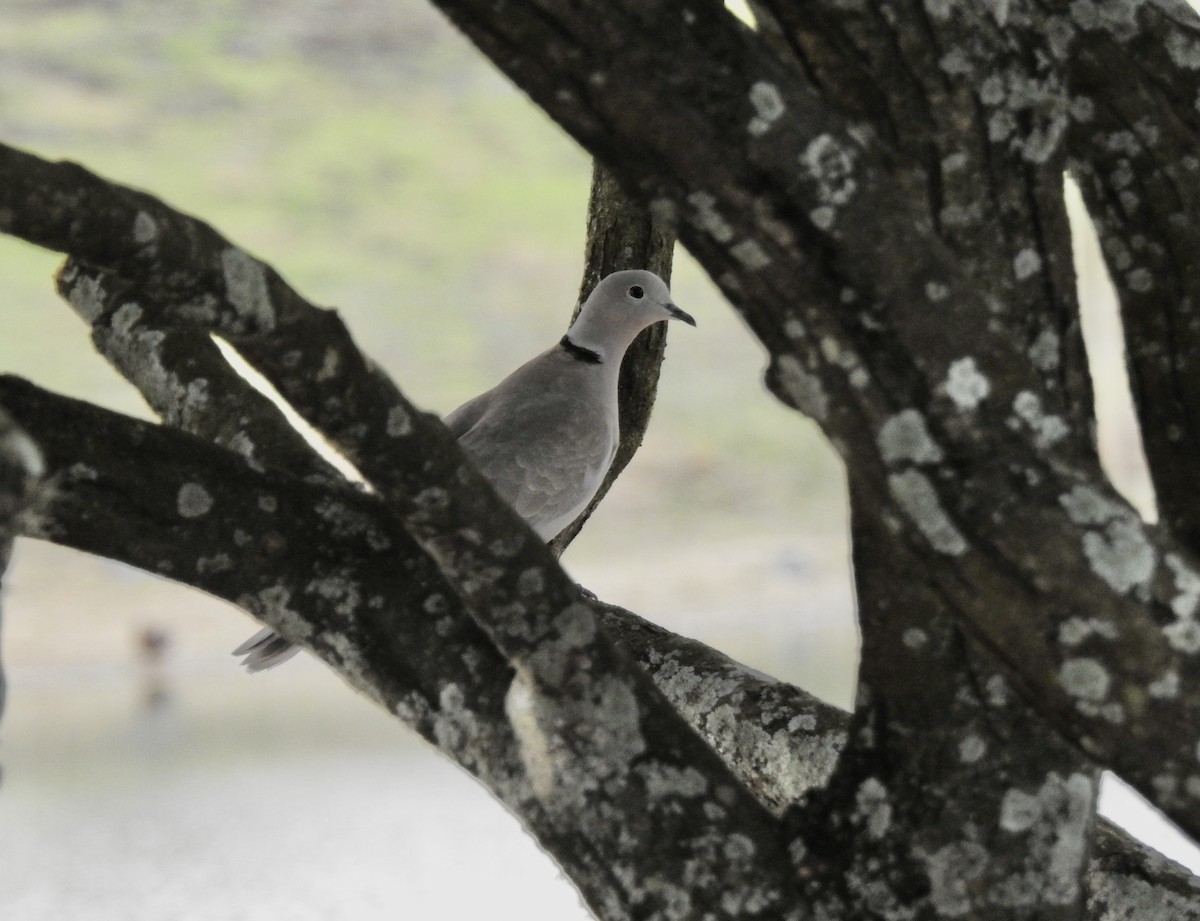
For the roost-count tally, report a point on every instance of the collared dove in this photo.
(546, 434)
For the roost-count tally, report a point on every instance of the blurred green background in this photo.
(371, 155)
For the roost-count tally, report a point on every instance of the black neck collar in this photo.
(579, 353)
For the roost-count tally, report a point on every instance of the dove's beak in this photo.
(677, 314)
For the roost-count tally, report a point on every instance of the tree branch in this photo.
(1135, 155)
(416, 654)
(1017, 527)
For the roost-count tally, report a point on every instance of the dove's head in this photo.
(620, 307)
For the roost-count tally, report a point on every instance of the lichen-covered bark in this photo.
(951, 386)
(267, 542)
(1137, 162)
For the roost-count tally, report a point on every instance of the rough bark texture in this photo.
(877, 188)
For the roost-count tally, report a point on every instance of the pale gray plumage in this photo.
(546, 434)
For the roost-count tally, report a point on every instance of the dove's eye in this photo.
(636, 292)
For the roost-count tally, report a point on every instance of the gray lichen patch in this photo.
(952, 871)
(399, 422)
(1026, 264)
(801, 389)
(1187, 586)
(708, 219)
(273, 605)
(193, 500)
(768, 107)
(830, 164)
(145, 229)
(340, 591)
(966, 385)
(87, 296)
(904, 437)
(1048, 429)
(1044, 353)
(873, 808)
(246, 288)
(1056, 822)
(1085, 679)
(750, 254)
(919, 501)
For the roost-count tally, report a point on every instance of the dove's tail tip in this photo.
(264, 650)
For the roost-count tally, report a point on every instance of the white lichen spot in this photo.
(1026, 263)
(936, 292)
(918, 500)
(915, 638)
(86, 296)
(125, 319)
(1187, 584)
(1183, 636)
(956, 63)
(952, 871)
(831, 166)
(1047, 429)
(965, 384)
(1183, 49)
(939, 9)
(905, 438)
(144, 228)
(707, 218)
(802, 389)
(1140, 280)
(666, 781)
(273, 605)
(750, 254)
(971, 749)
(1084, 679)
(399, 422)
(1085, 506)
(1056, 823)
(1164, 688)
(329, 365)
(768, 107)
(1074, 630)
(218, 562)
(873, 809)
(246, 288)
(193, 500)
(343, 594)
(822, 217)
(1122, 555)
(531, 581)
(1044, 353)
(268, 504)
